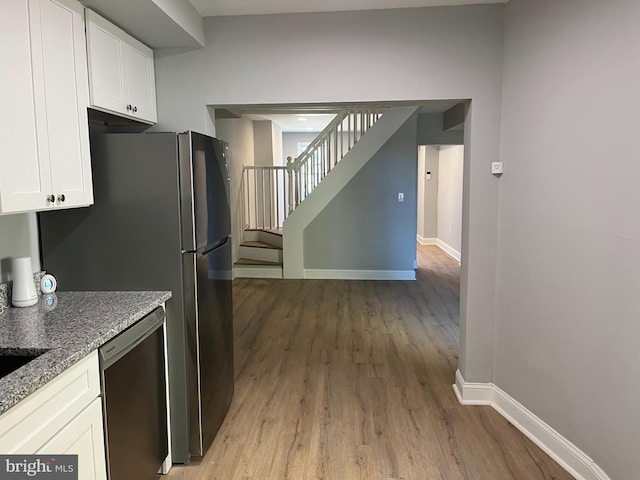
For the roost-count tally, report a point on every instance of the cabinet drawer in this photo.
(31, 423)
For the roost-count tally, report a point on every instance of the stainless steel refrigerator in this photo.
(161, 221)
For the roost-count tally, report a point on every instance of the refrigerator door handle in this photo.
(209, 248)
(215, 246)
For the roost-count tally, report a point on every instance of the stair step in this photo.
(271, 237)
(272, 231)
(250, 268)
(257, 263)
(275, 231)
(260, 244)
(261, 253)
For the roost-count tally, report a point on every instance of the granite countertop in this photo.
(79, 323)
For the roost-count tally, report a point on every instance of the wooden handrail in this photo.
(271, 193)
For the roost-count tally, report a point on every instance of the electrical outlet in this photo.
(400, 197)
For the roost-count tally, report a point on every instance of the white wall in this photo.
(568, 308)
(451, 164)
(436, 53)
(239, 134)
(420, 192)
(185, 15)
(290, 142)
(428, 159)
(276, 143)
(263, 142)
(18, 238)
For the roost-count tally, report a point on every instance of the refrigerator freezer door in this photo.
(204, 180)
(210, 345)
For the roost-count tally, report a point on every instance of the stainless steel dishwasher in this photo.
(134, 400)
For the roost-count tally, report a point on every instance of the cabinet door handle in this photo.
(61, 198)
(51, 198)
(129, 107)
(135, 109)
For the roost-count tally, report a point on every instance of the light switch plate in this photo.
(496, 168)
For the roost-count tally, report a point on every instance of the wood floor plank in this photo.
(351, 380)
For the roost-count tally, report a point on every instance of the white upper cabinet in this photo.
(122, 77)
(44, 162)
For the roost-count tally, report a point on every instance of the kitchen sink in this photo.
(12, 359)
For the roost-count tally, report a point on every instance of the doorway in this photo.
(440, 189)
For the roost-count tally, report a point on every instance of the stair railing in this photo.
(271, 193)
(265, 196)
(326, 150)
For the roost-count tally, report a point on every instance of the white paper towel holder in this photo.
(24, 288)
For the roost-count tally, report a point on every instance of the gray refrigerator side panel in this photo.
(129, 240)
(186, 192)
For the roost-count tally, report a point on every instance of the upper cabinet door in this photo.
(140, 81)
(45, 159)
(24, 179)
(106, 75)
(66, 91)
(121, 71)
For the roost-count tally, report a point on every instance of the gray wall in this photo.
(568, 308)
(337, 238)
(449, 52)
(431, 131)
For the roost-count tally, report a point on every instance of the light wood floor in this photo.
(341, 380)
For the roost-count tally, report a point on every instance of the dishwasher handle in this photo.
(119, 346)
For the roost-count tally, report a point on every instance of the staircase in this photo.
(260, 254)
(271, 193)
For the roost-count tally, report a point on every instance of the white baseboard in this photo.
(427, 241)
(359, 274)
(472, 393)
(570, 457)
(448, 249)
(257, 272)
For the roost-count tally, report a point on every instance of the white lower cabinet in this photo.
(62, 417)
(84, 437)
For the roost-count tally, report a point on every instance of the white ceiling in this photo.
(313, 118)
(300, 122)
(209, 8)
